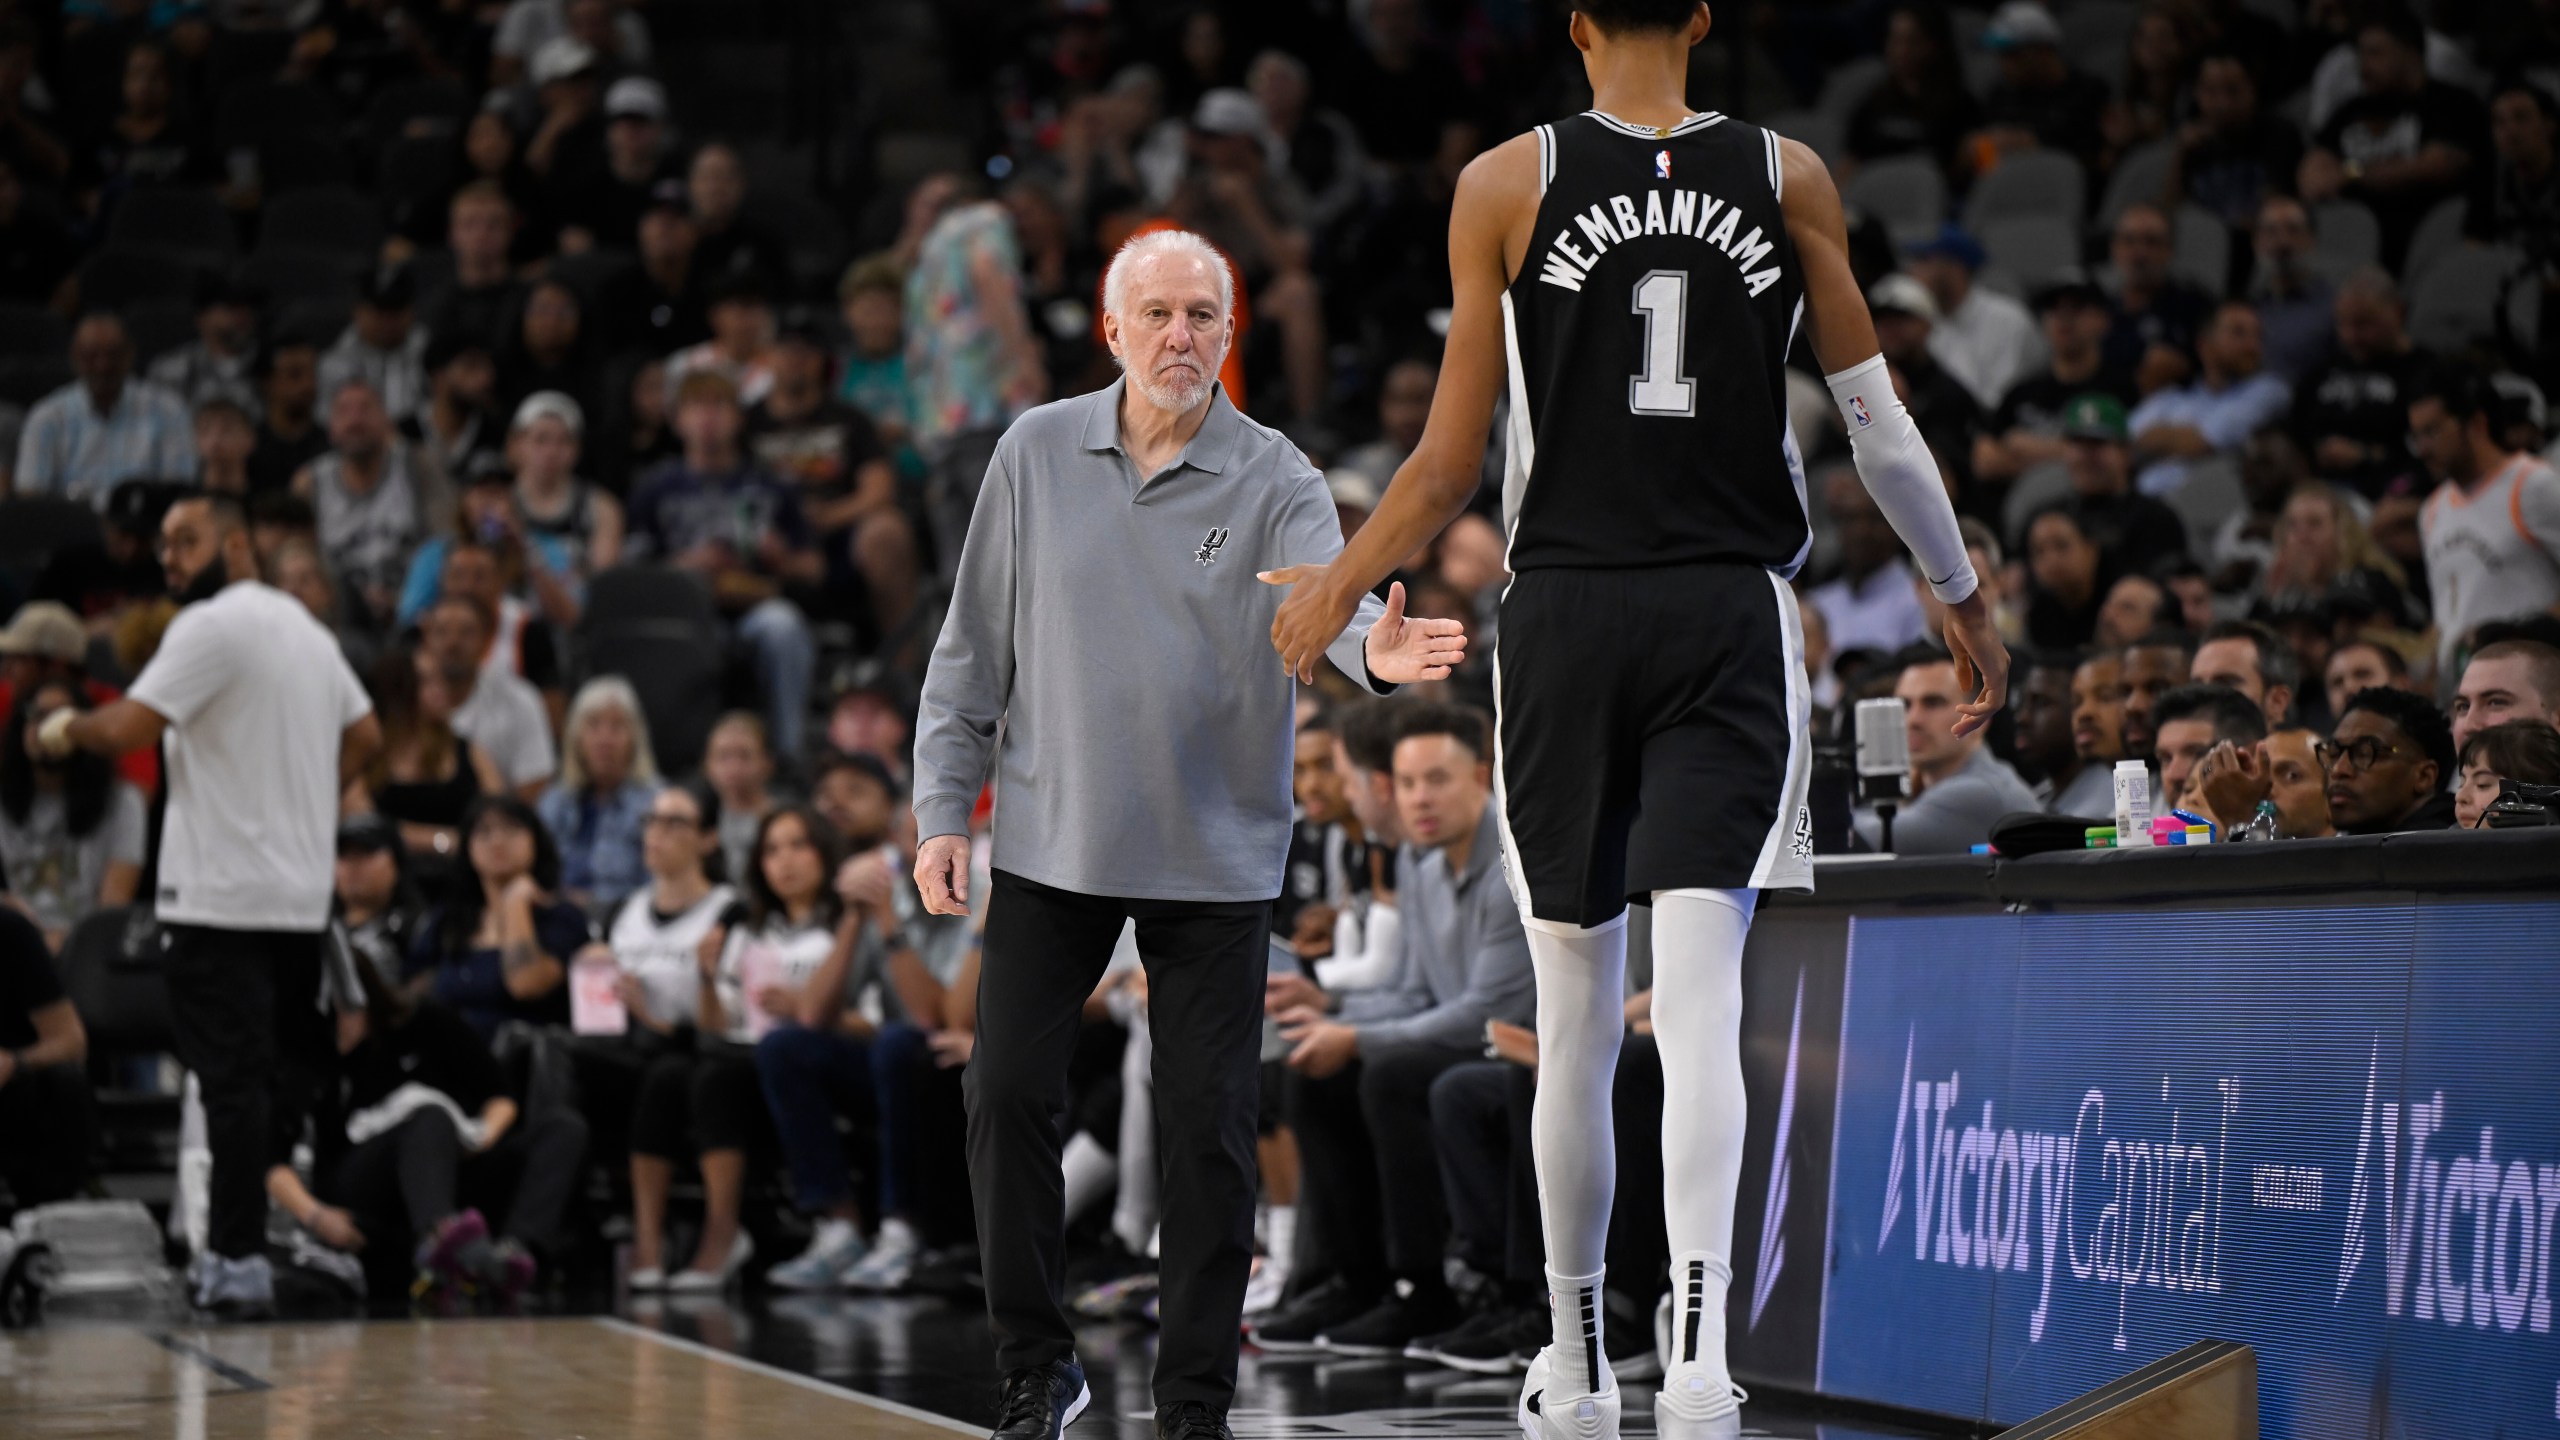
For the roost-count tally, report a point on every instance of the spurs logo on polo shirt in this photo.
(1210, 545)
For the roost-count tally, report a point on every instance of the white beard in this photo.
(1174, 390)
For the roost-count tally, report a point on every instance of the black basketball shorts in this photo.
(1651, 734)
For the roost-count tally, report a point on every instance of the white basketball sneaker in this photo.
(1695, 1407)
(1546, 1414)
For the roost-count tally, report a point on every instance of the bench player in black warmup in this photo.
(1636, 274)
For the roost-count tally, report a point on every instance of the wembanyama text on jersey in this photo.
(1649, 329)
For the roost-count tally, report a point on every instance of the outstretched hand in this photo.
(1400, 649)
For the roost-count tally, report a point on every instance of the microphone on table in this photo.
(1884, 762)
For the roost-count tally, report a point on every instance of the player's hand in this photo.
(1401, 651)
(942, 874)
(1282, 994)
(1310, 619)
(1982, 661)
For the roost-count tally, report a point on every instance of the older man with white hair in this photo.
(1104, 651)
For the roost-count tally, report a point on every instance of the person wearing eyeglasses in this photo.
(2387, 764)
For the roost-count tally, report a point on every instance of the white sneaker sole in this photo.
(1075, 1407)
(1537, 1425)
(1669, 1424)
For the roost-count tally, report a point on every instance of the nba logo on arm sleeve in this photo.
(1661, 164)
(1858, 409)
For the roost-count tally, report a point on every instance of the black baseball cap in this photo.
(2070, 284)
(367, 835)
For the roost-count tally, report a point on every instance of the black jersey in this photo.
(1648, 332)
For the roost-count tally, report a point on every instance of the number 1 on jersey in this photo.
(1662, 298)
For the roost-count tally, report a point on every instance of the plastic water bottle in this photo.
(2133, 805)
(2262, 826)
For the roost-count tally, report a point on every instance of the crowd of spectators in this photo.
(2246, 421)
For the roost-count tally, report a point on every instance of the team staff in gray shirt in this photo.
(1359, 1087)
(1110, 623)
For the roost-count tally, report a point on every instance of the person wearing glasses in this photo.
(2387, 764)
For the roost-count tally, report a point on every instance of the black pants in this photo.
(1481, 1112)
(244, 1006)
(48, 1124)
(692, 1103)
(1369, 1184)
(412, 1176)
(1043, 952)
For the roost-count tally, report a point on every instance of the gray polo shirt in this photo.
(1117, 635)
(1466, 957)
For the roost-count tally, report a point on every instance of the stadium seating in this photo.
(2142, 177)
(335, 222)
(114, 278)
(174, 220)
(1906, 193)
(657, 628)
(2456, 303)
(2349, 236)
(2037, 182)
(2437, 236)
(30, 329)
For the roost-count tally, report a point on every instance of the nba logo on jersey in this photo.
(1661, 164)
(1858, 408)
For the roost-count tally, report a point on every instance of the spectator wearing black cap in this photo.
(2388, 763)
(2025, 427)
(2233, 155)
(71, 830)
(100, 579)
(741, 347)
(2406, 143)
(47, 1115)
(289, 433)
(602, 196)
(1983, 338)
(217, 363)
(2295, 298)
(455, 432)
(848, 485)
(661, 307)
(481, 293)
(383, 344)
(104, 426)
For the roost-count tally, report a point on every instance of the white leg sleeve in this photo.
(1582, 980)
(1697, 1019)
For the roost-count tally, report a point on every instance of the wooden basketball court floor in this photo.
(708, 1370)
(547, 1379)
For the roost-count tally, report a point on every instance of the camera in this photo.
(2521, 806)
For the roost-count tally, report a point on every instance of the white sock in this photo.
(1697, 1020)
(1091, 1173)
(1582, 982)
(1281, 1241)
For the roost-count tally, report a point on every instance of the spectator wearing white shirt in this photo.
(104, 426)
(2232, 400)
(264, 725)
(499, 712)
(1986, 340)
(1872, 605)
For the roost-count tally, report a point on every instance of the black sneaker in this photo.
(1489, 1344)
(1191, 1420)
(1392, 1324)
(1041, 1401)
(1292, 1329)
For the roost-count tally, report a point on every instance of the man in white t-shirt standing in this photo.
(264, 724)
(2492, 528)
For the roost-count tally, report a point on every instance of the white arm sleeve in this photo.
(1895, 465)
(1365, 949)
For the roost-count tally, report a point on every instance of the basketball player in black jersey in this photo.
(1636, 274)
